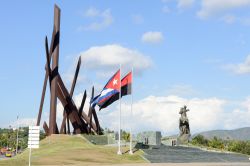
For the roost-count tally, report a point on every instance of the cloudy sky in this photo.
(192, 52)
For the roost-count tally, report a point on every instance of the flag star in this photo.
(115, 82)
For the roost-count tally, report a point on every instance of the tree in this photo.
(239, 146)
(199, 140)
(216, 143)
(8, 138)
(126, 136)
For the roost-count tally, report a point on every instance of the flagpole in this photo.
(119, 141)
(131, 113)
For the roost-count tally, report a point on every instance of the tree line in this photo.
(8, 138)
(228, 145)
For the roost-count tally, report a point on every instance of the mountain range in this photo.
(242, 134)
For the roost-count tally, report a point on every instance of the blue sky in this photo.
(192, 52)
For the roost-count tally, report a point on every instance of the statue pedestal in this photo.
(183, 139)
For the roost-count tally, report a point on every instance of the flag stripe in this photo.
(106, 96)
(126, 89)
(109, 101)
(127, 79)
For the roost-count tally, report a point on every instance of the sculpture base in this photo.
(184, 139)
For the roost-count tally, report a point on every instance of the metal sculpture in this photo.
(81, 122)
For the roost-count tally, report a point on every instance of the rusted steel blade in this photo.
(70, 107)
(63, 125)
(75, 77)
(73, 87)
(67, 117)
(71, 103)
(76, 122)
(92, 113)
(55, 57)
(42, 100)
(82, 103)
(57, 131)
(98, 130)
(90, 109)
(64, 132)
(91, 98)
(48, 69)
(46, 128)
(45, 82)
(71, 94)
(90, 118)
(86, 118)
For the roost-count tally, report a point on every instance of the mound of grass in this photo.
(71, 150)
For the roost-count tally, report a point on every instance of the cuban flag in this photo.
(111, 89)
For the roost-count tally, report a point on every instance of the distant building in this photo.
(149, 137)
(170, 141)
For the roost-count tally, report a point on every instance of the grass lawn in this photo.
(72, 150)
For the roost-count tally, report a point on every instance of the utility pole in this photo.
(17, 135)
(9, 137)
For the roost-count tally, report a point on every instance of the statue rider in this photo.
(183, 121)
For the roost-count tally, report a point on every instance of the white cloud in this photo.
(241, 68)
(103, 19)
(152, 37)
(213, 7)
(183, 4)
(104, 59)
(24, 122)
(162, 113)
(242, 113)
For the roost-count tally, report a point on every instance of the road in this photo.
(2, 157)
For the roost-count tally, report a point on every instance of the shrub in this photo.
(216, 143)
(240, 147)
(199, 140)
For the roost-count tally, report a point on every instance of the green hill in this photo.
(242, 134)
(72, 150)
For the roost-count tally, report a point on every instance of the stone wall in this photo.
(149, 137)
(100, 139)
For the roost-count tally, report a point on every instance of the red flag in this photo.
(127, 84)
(114, 82)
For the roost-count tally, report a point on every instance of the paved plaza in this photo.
(179, 154)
